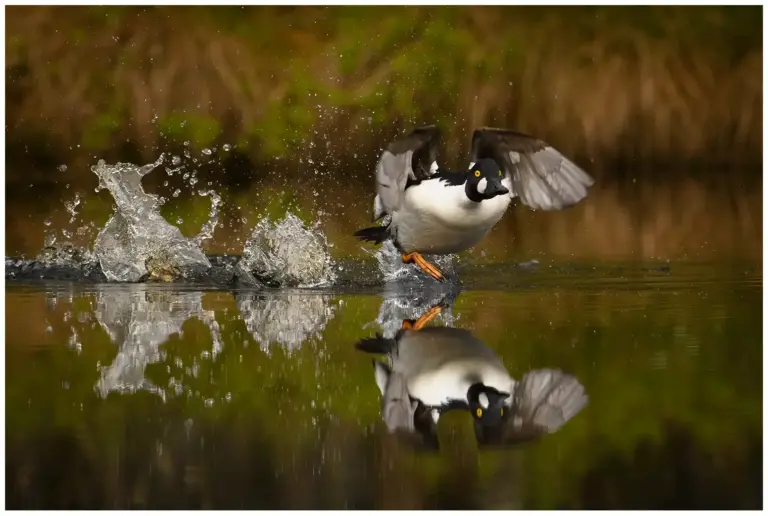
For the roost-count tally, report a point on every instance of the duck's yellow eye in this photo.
(499, 173)
(502, 412)
(477, 173)
(479, 412)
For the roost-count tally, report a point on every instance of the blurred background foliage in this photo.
(656, 83)
(286, 108)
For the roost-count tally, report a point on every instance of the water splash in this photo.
(140, 321)
(206, 232)
(399, 305)
(62, 261)
(392, 268)
(288, 254)
(409, 292)
(71, 207)
(137, 242)
(69, 246)
(65, 254)
(288, 320)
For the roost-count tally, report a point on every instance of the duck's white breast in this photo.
(439, 386)
(436, 217)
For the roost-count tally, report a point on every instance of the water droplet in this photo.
(226, 147)
(209, 402)
(207, 152)
(186, 144)
(176, 192)
(62, 168)
(48, 222)
(179, 220)
(176, 160)
(228, 396)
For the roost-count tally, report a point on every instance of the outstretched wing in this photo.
(542, 402)
(546, 399)
(411, 157)
(543, 178)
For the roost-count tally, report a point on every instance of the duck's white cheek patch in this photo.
(481, 186)
(433, 167)
(483, 399)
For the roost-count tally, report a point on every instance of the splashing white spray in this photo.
(288, 253)
(137, 240)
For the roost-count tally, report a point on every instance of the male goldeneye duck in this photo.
(432, 210)
(431, 370)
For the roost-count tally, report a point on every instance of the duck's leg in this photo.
(427, 267)
(425, 319)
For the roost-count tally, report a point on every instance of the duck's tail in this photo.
(375, 234)
(378, 345)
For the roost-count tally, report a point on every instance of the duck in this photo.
(428, 209)
(431, 370)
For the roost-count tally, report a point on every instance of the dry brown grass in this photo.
(277, 78)
(651, 100)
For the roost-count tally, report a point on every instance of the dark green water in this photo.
(162, 397)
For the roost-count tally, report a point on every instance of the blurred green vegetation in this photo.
(672, 365)
(333, 84)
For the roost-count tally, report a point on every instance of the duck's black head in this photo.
(486, 404)
(484, 181)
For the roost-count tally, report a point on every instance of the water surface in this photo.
(160, 396)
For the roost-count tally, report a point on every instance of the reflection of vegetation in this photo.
(669, 360)
(689, 220)
(661, 82)
(685, 474)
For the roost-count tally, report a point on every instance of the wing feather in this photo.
(541, 177)
(411, 157)
(543, 401)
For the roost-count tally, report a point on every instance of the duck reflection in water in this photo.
(431, 370)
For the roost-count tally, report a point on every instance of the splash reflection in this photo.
(285, 319)
(401, 302)
(139, 321)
